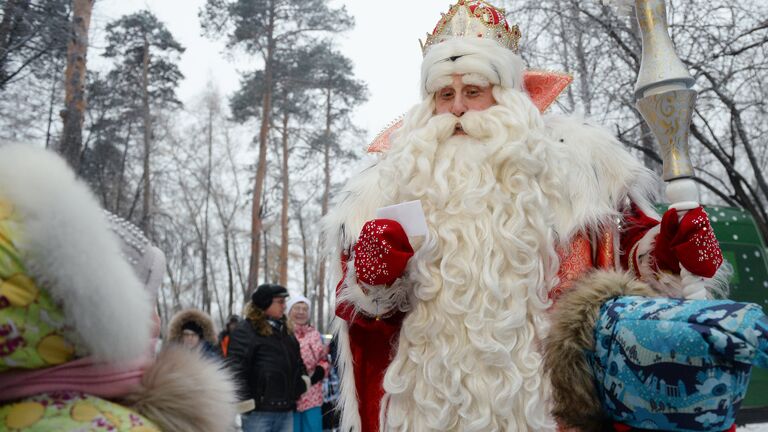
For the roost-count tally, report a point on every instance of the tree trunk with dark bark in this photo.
(261, 168)
(74, 81)
(146, 185)
(204, 255)
(304, 252)
(283, 265)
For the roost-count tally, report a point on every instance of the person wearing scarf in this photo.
(308, 416)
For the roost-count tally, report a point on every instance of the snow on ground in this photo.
(762, 427)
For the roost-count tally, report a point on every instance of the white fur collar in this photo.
(598, 175)
(347, 402)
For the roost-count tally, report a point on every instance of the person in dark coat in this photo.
(267, 363)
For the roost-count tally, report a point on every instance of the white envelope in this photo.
(409, 214)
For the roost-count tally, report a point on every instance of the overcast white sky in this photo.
(383, 46)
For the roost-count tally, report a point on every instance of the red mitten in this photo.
(689, 242)
(381, 252)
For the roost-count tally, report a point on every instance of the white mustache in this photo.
(475, 124)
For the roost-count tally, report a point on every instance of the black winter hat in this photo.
(262, 297)
(195, 327)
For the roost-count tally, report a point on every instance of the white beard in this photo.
(495, 201)
(468, 355)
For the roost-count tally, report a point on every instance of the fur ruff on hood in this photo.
(69, 250)
(574, 317)
(201, 318)
(185, 391)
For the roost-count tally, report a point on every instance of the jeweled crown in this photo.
(474, 18)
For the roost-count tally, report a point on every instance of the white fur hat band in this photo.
(473, 56)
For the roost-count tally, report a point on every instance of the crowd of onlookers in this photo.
(284, 370)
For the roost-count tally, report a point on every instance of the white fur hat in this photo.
(298, 298)
(473, 39)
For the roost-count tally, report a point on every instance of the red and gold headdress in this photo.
(474, 38)
(474, 18)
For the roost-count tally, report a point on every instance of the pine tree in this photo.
(292, 103)
(32, 33)
(141, 84)
(270, 29)
(341, 93)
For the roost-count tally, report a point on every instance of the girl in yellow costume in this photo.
(77, 324)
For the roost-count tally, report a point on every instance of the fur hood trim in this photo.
(185, 391)
(575, 314)
(196, 315)
(69, 250)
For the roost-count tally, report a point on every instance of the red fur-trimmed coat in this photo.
(600, 181)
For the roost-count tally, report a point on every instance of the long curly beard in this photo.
(468, 355)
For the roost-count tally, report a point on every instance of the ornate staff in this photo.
(666, 101)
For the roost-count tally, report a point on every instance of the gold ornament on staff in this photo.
(666, 101)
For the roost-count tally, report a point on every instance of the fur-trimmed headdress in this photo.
(475, 40)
